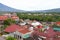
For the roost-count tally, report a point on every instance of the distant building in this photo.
(57, 23)
(13, 14)
(36, 23)
(22, 23)
(7, 14)
(16, 18)
(2, 18)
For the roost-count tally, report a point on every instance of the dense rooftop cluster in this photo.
(25, 28)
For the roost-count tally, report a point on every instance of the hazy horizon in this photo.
(30, 5)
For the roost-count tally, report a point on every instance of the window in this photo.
(20, 37)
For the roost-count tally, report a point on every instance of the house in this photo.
(25, 26)
(56, 27)
(16, 18)
(57, 23)
(22, 34)
(31, 28)
(49, 33)
(28, 21)
(12, 28)
(18, 32)
(2, 18)
(36, 23)
(22, 23)
(12, 16)
(7, 14)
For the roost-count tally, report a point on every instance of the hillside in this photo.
(5, 8)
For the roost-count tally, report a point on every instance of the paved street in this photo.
(1, 38)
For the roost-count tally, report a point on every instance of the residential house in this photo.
(7, 14)
(22, 23)
(35, 23)
(57, 23)
(56, 27)
(22, 34)
(12, 16)
(16, 18)
(18, 32)
(21, 20)
(2, 18)
(28, 21)
(12, 28)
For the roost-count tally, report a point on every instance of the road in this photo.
(1, 38)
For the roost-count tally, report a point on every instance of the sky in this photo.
(30, 5)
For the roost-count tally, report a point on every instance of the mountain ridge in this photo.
(49, 10)
(5, 8)
(8, 9)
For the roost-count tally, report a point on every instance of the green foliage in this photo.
(9, 21)
(50, 18)
(6, 22)
(10, 38)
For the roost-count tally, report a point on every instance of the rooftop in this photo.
(24, 31)
(12, 28)
(3, 17)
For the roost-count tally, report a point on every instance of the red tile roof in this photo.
(3, 17)
(58, 23)
(12, 28)
(14, 17)
(24, 31)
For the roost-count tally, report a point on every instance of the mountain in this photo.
(50, 10)
(4, 8)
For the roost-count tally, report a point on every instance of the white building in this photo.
(22, 33)
(36, 24)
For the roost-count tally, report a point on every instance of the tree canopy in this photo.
(37, 16)
(10, 38)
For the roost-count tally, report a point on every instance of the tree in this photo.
(6, 22)
(50, 18)
(9, 21)
(10, 38)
